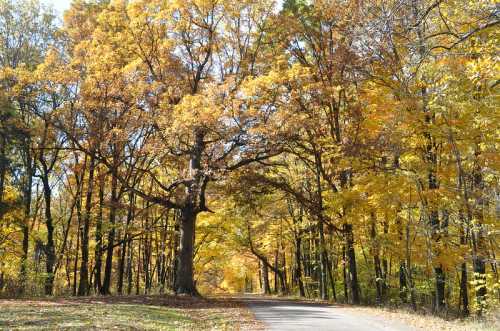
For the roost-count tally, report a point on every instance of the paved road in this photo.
(290, 315)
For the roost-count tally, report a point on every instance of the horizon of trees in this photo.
(333, 149)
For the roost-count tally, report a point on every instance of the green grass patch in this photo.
(93, 316)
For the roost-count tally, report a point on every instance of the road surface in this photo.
(278, 314)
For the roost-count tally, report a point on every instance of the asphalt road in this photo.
(290, 315)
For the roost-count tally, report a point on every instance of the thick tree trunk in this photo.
(184, 283)
(264, 270)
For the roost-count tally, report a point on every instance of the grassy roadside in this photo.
(125, 313)
(491, 322)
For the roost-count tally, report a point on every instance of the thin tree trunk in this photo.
(121, 265)
(83, 287)
(298, 264)
(376, 259)
(49, 247)
(344, 273)
(27, 191)
(138, 273)
(403, 287)
(351, 257)
(75, 266)
(130, 256)
(98, 237)
(323, 263)
(105, 290)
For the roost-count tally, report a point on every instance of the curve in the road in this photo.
(291, 315)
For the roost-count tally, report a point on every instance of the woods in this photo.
(341, 150)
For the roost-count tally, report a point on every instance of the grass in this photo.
(124, 313)
(430, 322)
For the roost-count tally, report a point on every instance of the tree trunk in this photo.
(344, 273)
(121, 265)
(298, 265)
(264, 270)
(28, 182)
(376, 259)
(332, 279)
(408, 269)
(478, 244)
(83, 287)
(129, 267)
(275, 269)
(75, 266)
(351, 257)
(480, 281)
(98, 238)
(49, 247)
(138, 273)
(185, 274)
(440, 290)
(464, 295)
(323, 263)
(105, 290)
(403, 287)
(3, 171)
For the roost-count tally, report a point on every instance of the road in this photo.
(278, 314)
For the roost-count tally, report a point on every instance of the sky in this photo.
(59, 5)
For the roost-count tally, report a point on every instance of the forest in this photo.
(344, 150)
